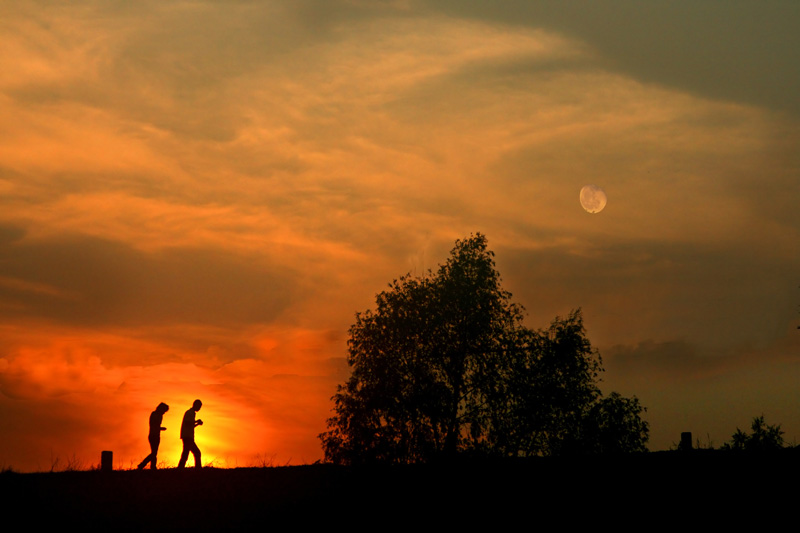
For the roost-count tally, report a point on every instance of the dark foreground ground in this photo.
(643, 492)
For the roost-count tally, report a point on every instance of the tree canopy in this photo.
(444, 365)
(763, 437)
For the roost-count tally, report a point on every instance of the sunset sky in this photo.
(196, 197)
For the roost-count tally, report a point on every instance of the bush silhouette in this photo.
(763, 437)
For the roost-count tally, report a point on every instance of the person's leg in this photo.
(144, 462)
(196, 452)
(184, 454)
(154, 453)
(150, 458)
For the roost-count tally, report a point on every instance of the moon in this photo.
(593, 198)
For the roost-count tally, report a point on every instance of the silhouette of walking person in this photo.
(155, 435)
(187, 435)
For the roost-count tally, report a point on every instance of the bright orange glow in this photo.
(251, 415)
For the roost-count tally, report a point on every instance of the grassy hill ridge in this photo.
(499, 490)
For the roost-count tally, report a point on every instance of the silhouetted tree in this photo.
(763, 437)
(552, 386)
(615, 425)
(444, 365)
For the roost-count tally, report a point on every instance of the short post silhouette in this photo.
(686, 441)
(187, 435)
(154, 436)
(106, 461)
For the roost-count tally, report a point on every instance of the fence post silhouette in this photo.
(106, 461)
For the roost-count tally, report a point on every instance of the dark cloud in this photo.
(44, 434)
(675, 359)
(9, 234)
(721, 297)
(86, 281)
(738, 50)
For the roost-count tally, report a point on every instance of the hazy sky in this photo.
(197, 196)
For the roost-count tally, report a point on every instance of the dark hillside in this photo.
(576, 491)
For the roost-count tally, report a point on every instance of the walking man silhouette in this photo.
(155, 435)
(187, 435)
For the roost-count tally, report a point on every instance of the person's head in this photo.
(162, 408)
(197, 405)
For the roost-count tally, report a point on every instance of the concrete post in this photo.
(106, 461)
